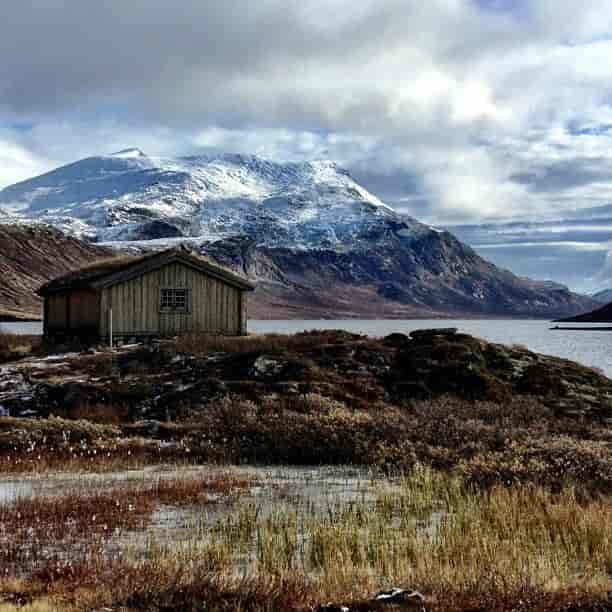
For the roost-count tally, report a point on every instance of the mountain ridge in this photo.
(115, 197)
(317, 241)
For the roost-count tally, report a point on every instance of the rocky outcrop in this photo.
(159, 382)
(491, 413)
(432, 363)
(31, 255)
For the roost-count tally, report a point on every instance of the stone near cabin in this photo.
(267, 367)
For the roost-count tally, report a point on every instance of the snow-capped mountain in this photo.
(131, 196)
(318, 243)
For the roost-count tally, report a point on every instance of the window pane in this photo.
(180, 299)
(166, 298)
(174, 299)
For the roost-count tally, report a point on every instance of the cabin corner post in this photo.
(243, 313)
(103, 314)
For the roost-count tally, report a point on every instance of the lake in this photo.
(593, 348)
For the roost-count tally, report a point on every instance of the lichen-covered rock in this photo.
(437, 362)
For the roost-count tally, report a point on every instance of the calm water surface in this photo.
(593, 348)
(28, 327)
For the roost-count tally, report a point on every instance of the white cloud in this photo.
(466, 108)
(17, 163)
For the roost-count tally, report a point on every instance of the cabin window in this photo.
(175, 300)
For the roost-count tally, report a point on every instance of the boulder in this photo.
(396, 340)
(404, 599)
(403, 596)
(267, 367)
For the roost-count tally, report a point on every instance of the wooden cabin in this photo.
(162, 294)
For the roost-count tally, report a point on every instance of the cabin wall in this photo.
(84, 310)
(243, 312)
(56, 310)
(76, 311)
(214, 306)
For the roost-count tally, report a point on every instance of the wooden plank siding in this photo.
(73, 311)
(84, 310)
(213, 306)
(57, 309)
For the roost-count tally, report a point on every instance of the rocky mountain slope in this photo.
(318, 243)
(599, 315)
(30, 256)
(431, 275)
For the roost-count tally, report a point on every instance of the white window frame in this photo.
(174, 299)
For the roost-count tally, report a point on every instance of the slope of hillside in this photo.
(599, 315)
(437, 277)
(30, 256)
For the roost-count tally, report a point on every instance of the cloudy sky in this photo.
(455, 111)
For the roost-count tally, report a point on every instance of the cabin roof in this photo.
(107, 272)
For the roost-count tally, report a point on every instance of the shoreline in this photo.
(591, 328)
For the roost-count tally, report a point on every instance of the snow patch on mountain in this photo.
(130, 196)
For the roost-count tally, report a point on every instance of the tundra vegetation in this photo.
(489, 476)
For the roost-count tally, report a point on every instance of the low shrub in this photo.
(17, 345)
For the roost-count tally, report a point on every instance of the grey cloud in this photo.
(450, 109)
(238, 62)
(565, 174)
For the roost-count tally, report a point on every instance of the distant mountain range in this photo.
(319, 244)
(603, 297)
(570, 246)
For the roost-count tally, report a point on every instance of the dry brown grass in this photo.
(100, 413)
(487, 443)
(16, 345)
(203, 345)
(516, 549)
(57, 444)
